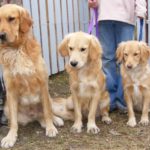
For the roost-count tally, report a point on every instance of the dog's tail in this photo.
(63, 108)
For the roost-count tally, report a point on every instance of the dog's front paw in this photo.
(58, 121)
(131, 122)
(51, 132)
(92, 128)
(106, 119)
(76, 128)
(8, 141)
(144, 121)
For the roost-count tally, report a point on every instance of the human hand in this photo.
(93, 3)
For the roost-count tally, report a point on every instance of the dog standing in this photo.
(87, 80)
(135, 72)
(25, 75)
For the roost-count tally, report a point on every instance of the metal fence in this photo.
(53, 19)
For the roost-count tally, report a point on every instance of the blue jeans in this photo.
(111, 33)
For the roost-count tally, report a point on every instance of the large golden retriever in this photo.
(87, 80)
(25, 74)
(135, 72)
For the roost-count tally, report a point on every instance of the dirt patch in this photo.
(116, 136)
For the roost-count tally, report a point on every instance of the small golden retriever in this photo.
(135, 72)
(87, 80)
(25, 75)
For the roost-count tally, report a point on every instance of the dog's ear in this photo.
(63, 46)
(95, 51)
(119, 52)
(145, 51)
(25, 21)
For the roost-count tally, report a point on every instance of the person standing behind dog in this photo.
(116, 23)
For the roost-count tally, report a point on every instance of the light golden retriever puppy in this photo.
(87, 80)
(25, 75)
(135, 72)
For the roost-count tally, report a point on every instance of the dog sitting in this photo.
(25, 75)
(87, 80)
(135, 72)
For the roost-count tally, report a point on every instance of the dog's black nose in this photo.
(2, 36)
(129, 66)
(74, 63)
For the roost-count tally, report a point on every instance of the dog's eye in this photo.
(135, 54)
(70, 48)
(82, 49)
(11, 19)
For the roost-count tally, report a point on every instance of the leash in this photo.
(141, 29)
(93, 21)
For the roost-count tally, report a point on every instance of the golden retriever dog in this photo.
(87, 80)
(135, 72)
(25, 75)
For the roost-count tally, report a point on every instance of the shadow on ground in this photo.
(116, 136)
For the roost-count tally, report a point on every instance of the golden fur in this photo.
(25, 75)
(135, 72)
(87, 80)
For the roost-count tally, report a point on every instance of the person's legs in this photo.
(123, 32)
(107, 40)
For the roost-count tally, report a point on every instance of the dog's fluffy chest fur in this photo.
(17, 61)
(87, 85)
(21, 71)
(139, 81)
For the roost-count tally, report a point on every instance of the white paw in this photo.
(144, 121)
(92, 128)
(76, 128)
(106, 120)
(131, 122)
(51, 132)
(58, 121)
(8, 141)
